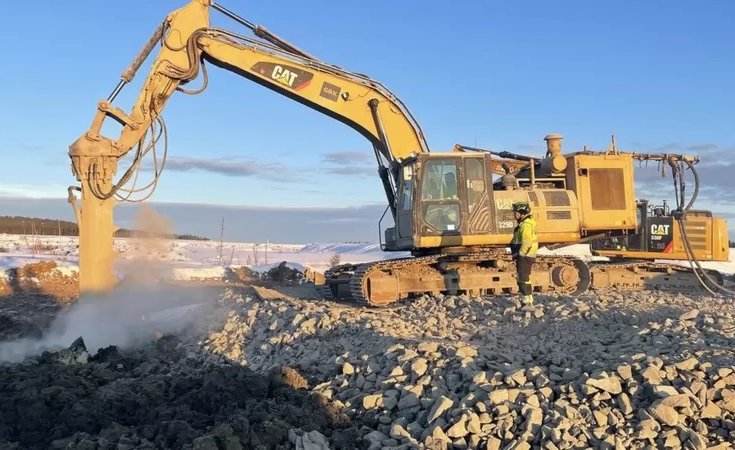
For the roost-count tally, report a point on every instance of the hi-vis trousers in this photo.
(523, 268)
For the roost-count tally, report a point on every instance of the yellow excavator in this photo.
(451, 210)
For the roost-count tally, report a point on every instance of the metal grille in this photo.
(697, 240)
(607, 188)
(697, 234)
(556, 198)
(558, 215)
(534, 198)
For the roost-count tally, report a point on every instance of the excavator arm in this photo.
(357, 101)
(187, 40)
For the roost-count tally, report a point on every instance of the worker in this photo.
(450, 186)
(523, 247)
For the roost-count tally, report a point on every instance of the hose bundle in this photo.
(680, 217)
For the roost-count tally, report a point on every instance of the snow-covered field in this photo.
(186, 259)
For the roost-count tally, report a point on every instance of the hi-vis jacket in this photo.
(525, 241)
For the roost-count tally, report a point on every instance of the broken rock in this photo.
(608, 384)
(441, 405)
(664, 414)
(459, 429)
(690, 315)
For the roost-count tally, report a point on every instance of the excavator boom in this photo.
(187, 39)
(358, 101)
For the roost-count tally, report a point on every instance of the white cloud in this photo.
(33, 190)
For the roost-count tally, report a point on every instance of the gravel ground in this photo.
(614, 370)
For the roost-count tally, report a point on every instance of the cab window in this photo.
(440, 181)
(439, 190)
(407, 193)
(475, 170)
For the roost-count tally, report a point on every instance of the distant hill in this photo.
(54, 227)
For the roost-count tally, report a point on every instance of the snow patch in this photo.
(201, 273)
(68, 271)
(208, 259)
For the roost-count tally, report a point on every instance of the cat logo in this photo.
(660, 229)
(288, 76)
(503, 203)
(284, 76)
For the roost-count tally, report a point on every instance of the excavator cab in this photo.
(440, 197)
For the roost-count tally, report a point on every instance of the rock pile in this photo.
(280, 274)
(430, 392)
(163, 396)
(283, 274)
(43, 278)
(611, 371)
(616, 371)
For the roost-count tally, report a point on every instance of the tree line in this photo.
(54, 227)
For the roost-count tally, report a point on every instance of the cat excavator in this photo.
(450, 210)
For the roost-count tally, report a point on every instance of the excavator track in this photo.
(325, 291)
(647, 275)
(381, 283)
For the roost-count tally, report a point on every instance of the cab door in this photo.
(404, 213)
(439, 204)
(477, 193)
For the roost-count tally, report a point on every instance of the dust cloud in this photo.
(149, 248)
(140, 307)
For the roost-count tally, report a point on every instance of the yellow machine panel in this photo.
(555, 211)
(605, 190)
(721, 240)
(661, 238)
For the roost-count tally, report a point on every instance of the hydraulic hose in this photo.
(693, 259)
(687, 244)
(135, 165)
(696, 185)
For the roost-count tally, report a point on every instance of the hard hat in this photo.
(522, 207)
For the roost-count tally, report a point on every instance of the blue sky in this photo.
(657, 74)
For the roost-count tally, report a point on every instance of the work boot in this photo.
(527, 301)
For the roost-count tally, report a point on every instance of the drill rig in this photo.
(446, 209)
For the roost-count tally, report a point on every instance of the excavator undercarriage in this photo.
(493, 273)
(480, 273)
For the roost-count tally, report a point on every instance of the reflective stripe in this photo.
(524, 236)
